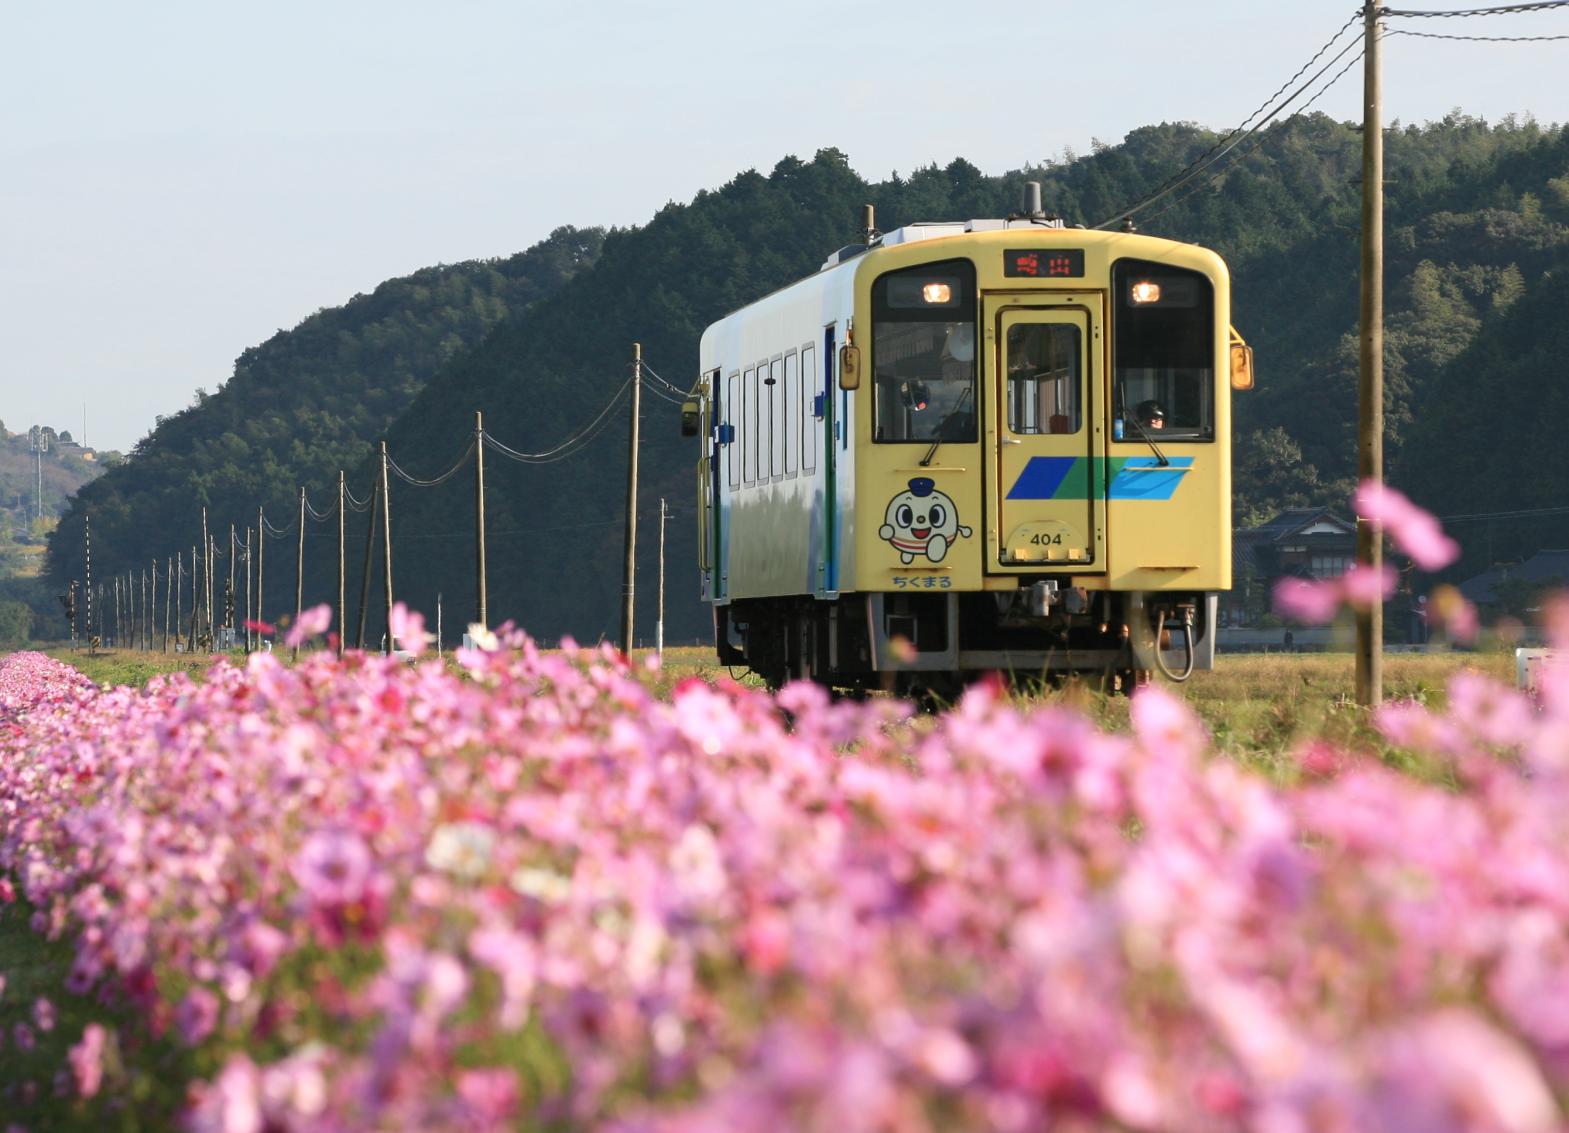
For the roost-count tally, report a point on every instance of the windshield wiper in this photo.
(1149, 440)
(942, 427)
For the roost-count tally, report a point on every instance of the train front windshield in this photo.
(923, 353)
(1163, 350)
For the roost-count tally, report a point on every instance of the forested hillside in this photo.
(303, 404)
(1477, 219)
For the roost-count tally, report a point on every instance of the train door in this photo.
(826, 426)
(1044, 483)
(711, 484)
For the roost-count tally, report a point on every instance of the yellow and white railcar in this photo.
(997, 445)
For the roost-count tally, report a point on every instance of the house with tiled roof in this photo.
(1502, 588)
(1297, 543)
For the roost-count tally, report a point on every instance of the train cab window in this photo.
(1163, 351)
(923, 353)
(1045, 376)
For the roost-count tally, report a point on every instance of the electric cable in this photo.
(320, 517)
(1243, 131)
(567, 447)
(442, 479)
(1496, 10)
(1260, 139)
(1480, 38)
(672, 388)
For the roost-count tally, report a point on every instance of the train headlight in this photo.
(1144, 291)
(937, 293)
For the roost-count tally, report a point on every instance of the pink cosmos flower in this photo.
(408, 629)
(309, 624)
(197, 1016)
(1365, 588)
(1412, 529)
(1309, 601)
(86, 1059)
(490, 1095)
(332, 867)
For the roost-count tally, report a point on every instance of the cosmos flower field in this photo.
(524, 892)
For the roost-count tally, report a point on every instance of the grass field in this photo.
(1257, 706)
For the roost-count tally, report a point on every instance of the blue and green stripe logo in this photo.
(1123, 477)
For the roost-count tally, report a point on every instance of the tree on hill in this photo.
(303, 404)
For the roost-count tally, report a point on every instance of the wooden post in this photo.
(87, 585)
(343, 629)
(629, 570)
(1370, 388)
(250, 613)
(481, 613)
(370, 544)
(231, 599)
(207, 565)
(299, 568)
(659, 623)
(196, 581)
(386, 544)
(168, 595)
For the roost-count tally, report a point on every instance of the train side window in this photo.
(749, 426)
(1045, 375)
(811, 384)
(776, 418)
(791, 418)
(733, 419)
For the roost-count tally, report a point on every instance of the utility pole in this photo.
(87, 586)
(629, 571)
(228, 599)
(299, 568)
(343, 629)
(1370, 388)
(147, 614)
(386, 542)
(168, 593)
(206, 578)
(179, 594)
(250, 613)
(119, 617)
(481, 614)
(370, 544)
(261, 559)
(38, 442)
(196, 605)
(659, 624)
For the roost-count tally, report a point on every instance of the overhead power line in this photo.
(568, 447)
(1259, 139)
(1217, 151)
(1479, 38)
(442, 479)
(1496, 10)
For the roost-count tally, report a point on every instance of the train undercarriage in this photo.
(930, 645)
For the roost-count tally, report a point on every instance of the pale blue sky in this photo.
(178, 180)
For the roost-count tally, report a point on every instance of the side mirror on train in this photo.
(691, 415)
(1241, 362)
(849, 367)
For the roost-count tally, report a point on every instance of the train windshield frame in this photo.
(923, 357)
(1163, 349)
